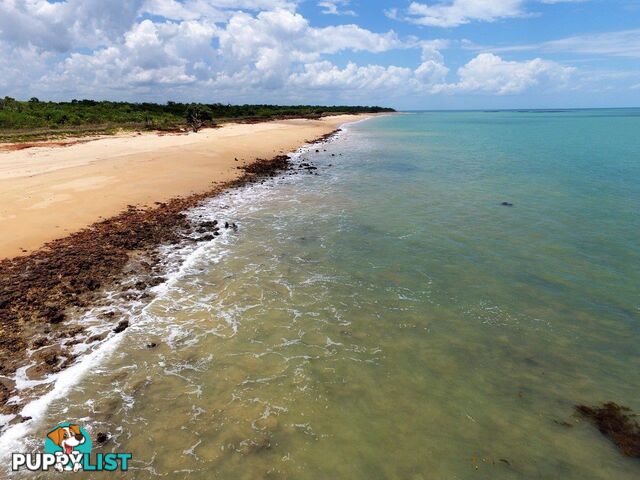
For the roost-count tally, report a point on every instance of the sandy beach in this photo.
(50, 192)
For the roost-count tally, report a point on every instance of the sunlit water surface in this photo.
(390, 319)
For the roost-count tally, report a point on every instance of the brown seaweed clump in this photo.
(617, 424)
(268, 168)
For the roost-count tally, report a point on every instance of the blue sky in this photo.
(428, 54)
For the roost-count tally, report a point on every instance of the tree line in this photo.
(16, 115)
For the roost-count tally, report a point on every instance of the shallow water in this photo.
(389, 318)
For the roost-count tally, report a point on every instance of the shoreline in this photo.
(42, 291)
(41, 188)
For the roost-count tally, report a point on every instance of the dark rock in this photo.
(39, 342)
(155, 281)
(122, 326)
(5, 392)
(151, 345)
(54, 314)
(50, 358)
(102, 437)
(4, 301)
(91, 284)
(96, 338)
(206, 238)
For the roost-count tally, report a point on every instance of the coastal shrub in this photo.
(197, 116)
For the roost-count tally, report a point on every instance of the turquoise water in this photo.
(389, 318)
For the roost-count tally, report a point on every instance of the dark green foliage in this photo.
(38, 117)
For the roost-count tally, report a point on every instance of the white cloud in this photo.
(624, 43)
(266, 47)
(210, 50)
(20, 66)
(189, 10)
(459, 12)
(491, 74)
(245, 35)
(453, 13)
(562, 1)
(486, 73)
(65, 25)
(336, 7)
(259, 51)
(215, 10)
(353, 77)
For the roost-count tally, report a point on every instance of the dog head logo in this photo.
(69, 439)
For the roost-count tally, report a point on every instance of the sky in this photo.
(411, 55)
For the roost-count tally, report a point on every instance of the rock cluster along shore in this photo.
(38, 291)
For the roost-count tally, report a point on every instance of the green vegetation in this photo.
(35, 119)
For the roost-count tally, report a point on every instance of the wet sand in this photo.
(50, 192)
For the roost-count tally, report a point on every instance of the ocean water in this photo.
(389, 318)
